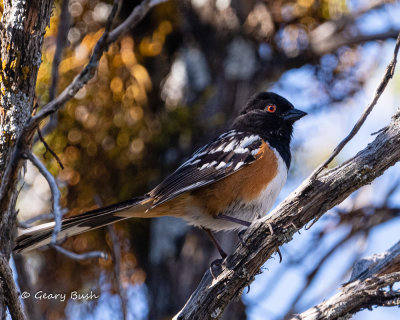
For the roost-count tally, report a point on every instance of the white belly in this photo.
(255, 209)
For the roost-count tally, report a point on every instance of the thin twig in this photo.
(388, 75)
(80, 256)
(48, 149)
(81, 79)
(55, 192)
(45, 216)
(310, 277)
(24, 140)
(10, 290)
(390, 193)
(137, 14)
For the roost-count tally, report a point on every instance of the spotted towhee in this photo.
(224, 185)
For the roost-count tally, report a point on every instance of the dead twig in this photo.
(48, 149)
(80, 256)
(387, 76)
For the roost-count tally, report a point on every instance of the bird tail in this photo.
(40, 235)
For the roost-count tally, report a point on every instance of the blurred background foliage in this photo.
(161, 91)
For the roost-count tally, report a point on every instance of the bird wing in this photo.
(223, 156)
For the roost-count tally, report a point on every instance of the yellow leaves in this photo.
(137, 92)
(91, 39)
(152, 46)
(127, 53)
(117, 61)
(128, 57)
(81, 53)
(165, 27)
(116, 85)
(52, 28)
(136, 114)
(71, 155)
(140, 74)
(306, 3)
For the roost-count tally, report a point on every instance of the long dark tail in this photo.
(40, 235)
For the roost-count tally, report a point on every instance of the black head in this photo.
(272, 117)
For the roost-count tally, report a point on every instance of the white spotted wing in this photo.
(225, 155)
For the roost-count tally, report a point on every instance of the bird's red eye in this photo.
(271, 108)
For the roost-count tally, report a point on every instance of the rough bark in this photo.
(21, 34)
(306, 203)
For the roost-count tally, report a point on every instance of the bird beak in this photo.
(294, 115)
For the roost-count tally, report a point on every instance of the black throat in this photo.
(280, 144)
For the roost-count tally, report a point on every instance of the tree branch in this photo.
(102, 45)
(309, 201)
(387, 76)
(80, 256)
(58, 213)
(45, 216)
(366, 289)
(80, 80)
(68, 93)
(56, 195)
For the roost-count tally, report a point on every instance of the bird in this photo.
(224, 185)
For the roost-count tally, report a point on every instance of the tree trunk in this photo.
(22, 30)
